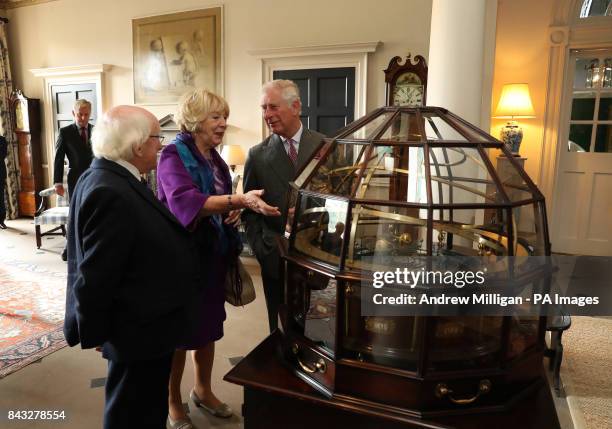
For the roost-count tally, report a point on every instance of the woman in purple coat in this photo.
(194, 183)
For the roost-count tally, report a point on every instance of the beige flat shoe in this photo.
(179, 424)
(224, 411)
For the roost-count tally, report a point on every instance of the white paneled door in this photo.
(583, 192)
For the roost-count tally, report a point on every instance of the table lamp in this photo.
(233, 155)
(515, 102)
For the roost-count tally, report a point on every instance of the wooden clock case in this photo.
(26, 116)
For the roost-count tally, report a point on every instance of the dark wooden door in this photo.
(63, 98)
(328, 96)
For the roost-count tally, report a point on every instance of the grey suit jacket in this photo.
(268, 167)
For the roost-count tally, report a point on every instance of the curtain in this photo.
(7, 127)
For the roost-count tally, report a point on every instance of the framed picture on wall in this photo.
(176, 52)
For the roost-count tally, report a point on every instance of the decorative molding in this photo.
(558, 35)
(557, 64)
(563, 12)
(71, 70)
(301, 51)
(13, 4)
(558, 38)
(591, 36)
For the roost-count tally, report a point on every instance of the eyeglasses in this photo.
(161, 138)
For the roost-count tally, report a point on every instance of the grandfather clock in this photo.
(28, 130)
(406, 83)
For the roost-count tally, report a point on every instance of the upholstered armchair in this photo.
(57, 215)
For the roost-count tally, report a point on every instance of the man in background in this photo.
(3, 153)
(270, 166)
(74, 143)
(131, 271)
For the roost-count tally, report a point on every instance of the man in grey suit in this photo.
(270, 166)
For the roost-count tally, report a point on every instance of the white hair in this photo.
(114, 137)
(80, 103)
(288, 89)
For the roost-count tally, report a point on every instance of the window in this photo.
(596, 8)
(591, 112)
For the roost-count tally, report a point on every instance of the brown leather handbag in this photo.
(239, 289)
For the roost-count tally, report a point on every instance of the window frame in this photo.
(601, 55)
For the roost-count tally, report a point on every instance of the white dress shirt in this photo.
(296, 140)
(129, 167)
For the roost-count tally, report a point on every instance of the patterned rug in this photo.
(586, 369)
(32, 302)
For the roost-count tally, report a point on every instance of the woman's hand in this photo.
(233, 218)
(252, 200)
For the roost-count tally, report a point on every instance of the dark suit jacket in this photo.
(131, 268)
(268, 167)
(3, 154)
(70, 144)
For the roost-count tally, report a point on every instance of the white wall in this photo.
(76, 32)
(521, 56)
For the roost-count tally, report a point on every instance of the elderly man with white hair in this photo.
(131, 274)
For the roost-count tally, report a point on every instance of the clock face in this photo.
(408, 95)
(18, 117)
(21, 116)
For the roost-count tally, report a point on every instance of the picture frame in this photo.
(176, 52)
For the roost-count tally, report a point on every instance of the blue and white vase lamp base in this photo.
(512, 136)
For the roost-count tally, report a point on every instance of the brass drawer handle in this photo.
(442, 391)
(318, 366)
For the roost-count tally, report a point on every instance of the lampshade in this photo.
(233, 154)
(515, 102)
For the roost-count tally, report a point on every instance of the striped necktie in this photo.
(84, 135)
(292, 152)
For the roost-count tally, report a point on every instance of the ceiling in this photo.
(11, 4)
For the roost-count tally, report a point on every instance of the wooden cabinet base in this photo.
(275, 398)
